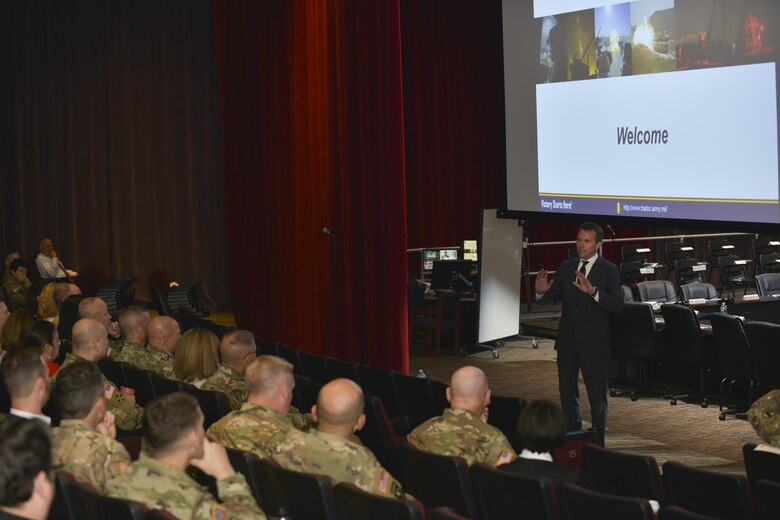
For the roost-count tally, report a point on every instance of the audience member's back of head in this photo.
(168, 419)
(21, 368)
(340, 405)
(541, 427)
(64, 290)
(79, 385)
(266, 373)
(39, 334)
(69, 315)
(236, 346)
(15, 329)
(47, 306)
(25, 465)
(197, 355)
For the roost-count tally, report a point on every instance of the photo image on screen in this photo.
(653, 109)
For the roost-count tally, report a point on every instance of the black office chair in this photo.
(732, 354)
(501, 494)
(764, 339)
(733, 274)
(578, 503)
(697, 291)
(715, 250)
(631, 272)
(309, 496)
(660, 291)
(683, 341)
(769, 263)
(677, 251)
(765, 245)
(628, 294)
(760, 465)
(624, 474)
(633, 337)
(768, 284)
(767, 500)
(689, 270)
(353, 502)
(707, 492)
(438, 480)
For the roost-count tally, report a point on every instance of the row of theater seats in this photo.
(664, 291)
(615, 485)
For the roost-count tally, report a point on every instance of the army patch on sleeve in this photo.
(383, 481)
(506, 456)
(109, 391)
(218, 512)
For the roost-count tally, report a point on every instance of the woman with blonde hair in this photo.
(197, 356)
(15, 329)
(47, 306)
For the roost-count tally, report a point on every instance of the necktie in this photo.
(582, 267)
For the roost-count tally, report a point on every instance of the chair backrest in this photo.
(214, 405)
(634, 253)
(292, 355)
(657, 291)
(438, 391)
(314, 367)
(767, 499)
(632, 332)
(707, 492)
(504, 414)
(163, 385)
(63, 507)
(377, 435)
(676, 251)
(95, 506)
(502, 495)
(439, 480)
(769, 263)
(678, 513)
(731, 344)
(141, 381)
(768, 284)
(248, 465)
(132, 445)
(717, 249)
(765, 245)
(444, 513)
(305, 393)
(113, 371)
(624, 474)
(697, 290)
(416, 398)
(309, 496)
(688, 270)
(570, 455)
(578, 503)
(631, 271)
(760, 465)
(764, 339)
(353, 502)
(267, 346)
(340, 368)
(682, 334)
(732, 268)
(628, 294)
(379, 382)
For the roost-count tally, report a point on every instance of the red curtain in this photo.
(312, 133)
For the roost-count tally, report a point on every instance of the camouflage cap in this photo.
(764, 415)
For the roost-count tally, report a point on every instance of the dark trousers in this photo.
(595, 371)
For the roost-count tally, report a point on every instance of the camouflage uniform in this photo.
(764, 415)
(336, 457)
(16, 291)
(250, 429)
(460, 433)
(92, 457)
(128, 416)
(127, 351)
(159, 361)
(161, 486)
(301, 421)
(230, 382)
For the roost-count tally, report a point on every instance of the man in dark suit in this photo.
(590, 289)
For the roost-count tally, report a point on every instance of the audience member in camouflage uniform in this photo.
(236, 350)
(174, 429)
(17, 285)
(162, 332)
(764, 415)
(132, 347)
(90, 343)
(197, 356)
(270, 384)
(96, 309)
(26, 484)
(84, 442)
(26, 379)
(463, 430)
(328, 450)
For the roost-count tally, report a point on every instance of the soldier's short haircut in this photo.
(592, 226)
(169, 418)
(131, 313)
(266, 373)
(62, 291)
(542, 427)
(235, 345)
(78, 386)
(21, 367)
(88, 307)
(25, 451)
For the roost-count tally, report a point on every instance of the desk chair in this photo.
(688, 270)
(633, 336)
(732, 354)
(764, 339)
(768, 284)
(657, 291)
(733, 274)
(683, 340)
(698, 290)
(676, 251)
(764, 245)
(768, 263)
(715, 250)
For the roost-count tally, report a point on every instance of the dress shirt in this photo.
(588, 267)
(27, 415)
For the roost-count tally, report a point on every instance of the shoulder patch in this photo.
(506, 456)
(109, 391)
(383, 481)
(218, 512)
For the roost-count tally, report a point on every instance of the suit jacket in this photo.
(584, 324)
(542, 468)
